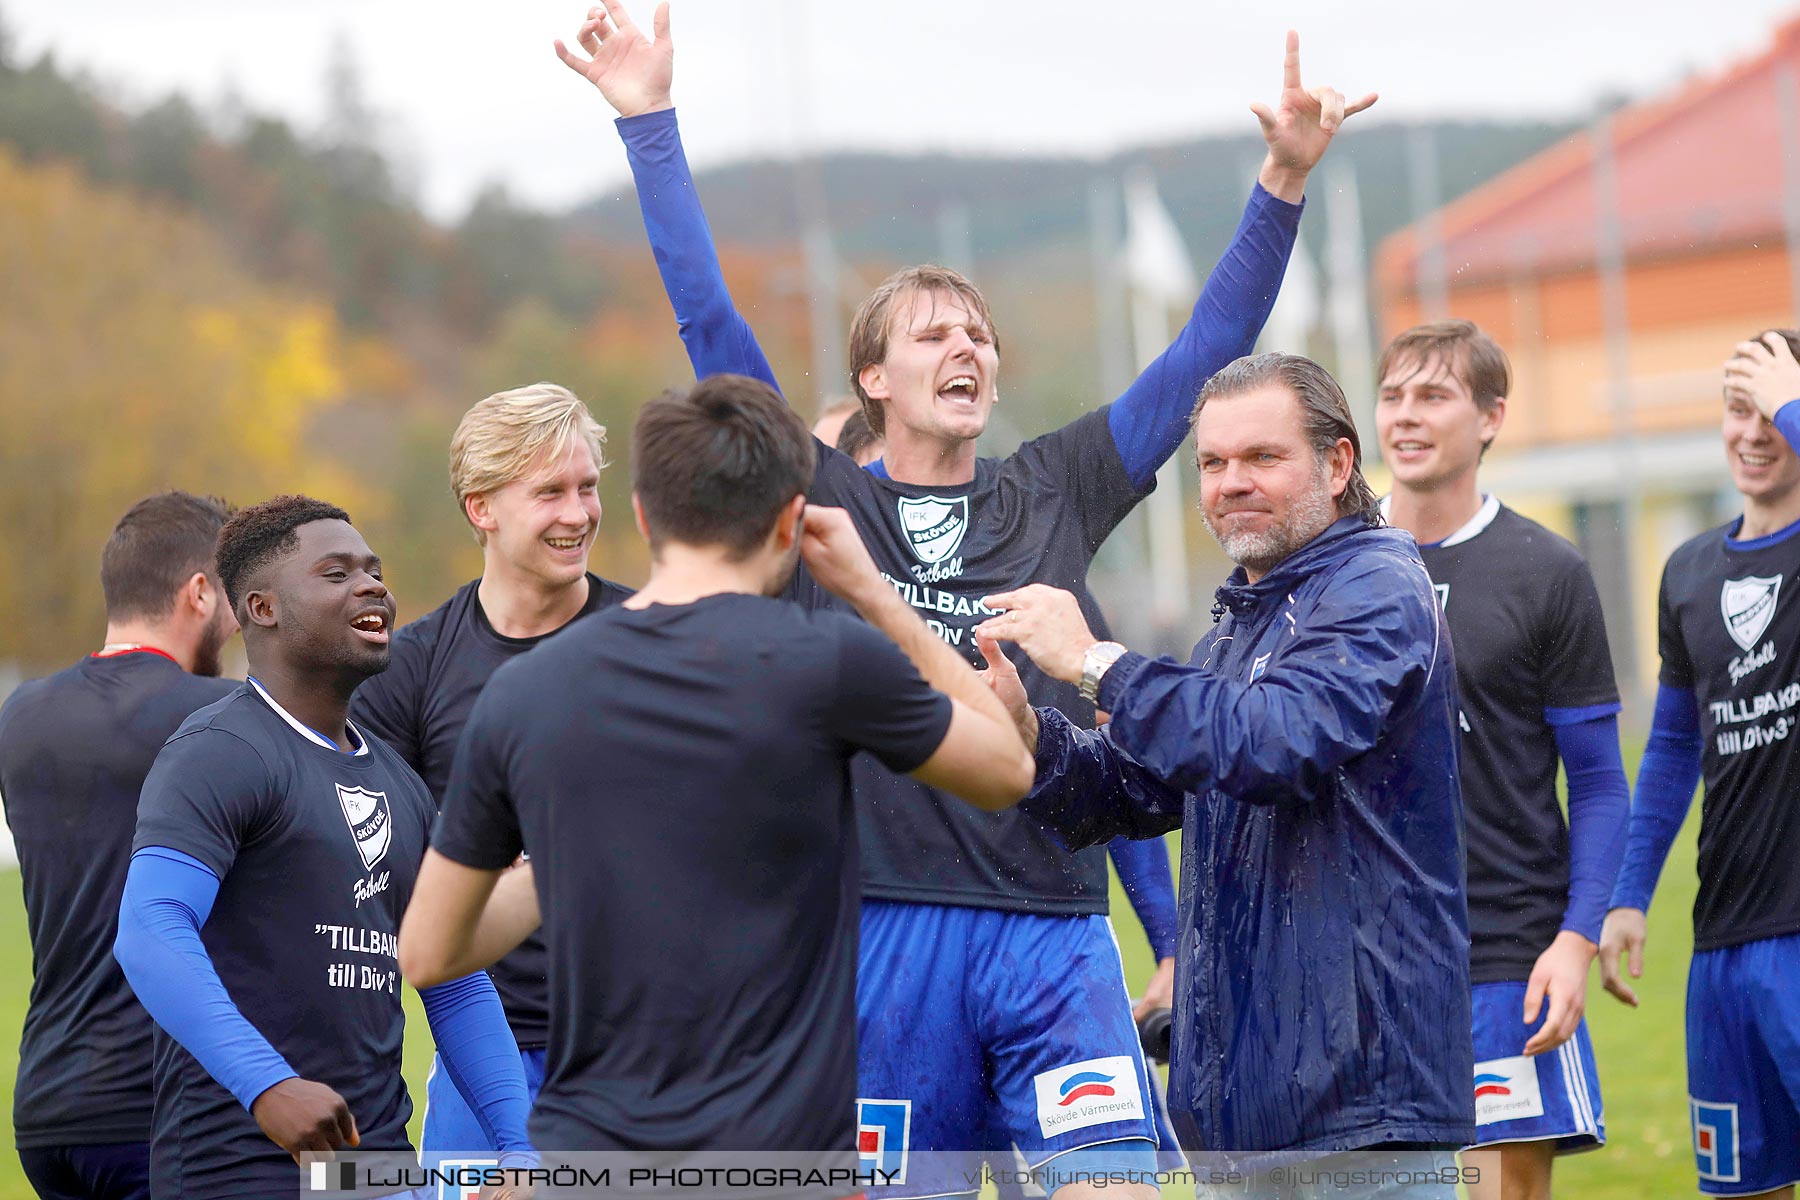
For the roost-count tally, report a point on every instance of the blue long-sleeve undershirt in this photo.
(1148, 421)
(1787, 422)
(1149, 884)
(168, 898)
(1665, 788)
(1599, 813)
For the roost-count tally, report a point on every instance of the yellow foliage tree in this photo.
(134, 356)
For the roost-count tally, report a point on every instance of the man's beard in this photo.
(1260, 550)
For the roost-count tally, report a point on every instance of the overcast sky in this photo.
(470, 91)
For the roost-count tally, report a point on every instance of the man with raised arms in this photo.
(975, 925)
(677, 767)
(525, 471)
(1536, 684)
(276, 849)
(1728, 627)
(74, 750)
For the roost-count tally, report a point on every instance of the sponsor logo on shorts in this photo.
(1748, 606)
(1088, 1093)
(1506, 1089)
(1715, 1140)
(883, 1130)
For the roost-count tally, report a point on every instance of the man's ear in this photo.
(1493, 416)
(788, 523)
(637, 514)
(480, 512)
(260, 607)
(197, 596)
(873, 379)
(1343, 462)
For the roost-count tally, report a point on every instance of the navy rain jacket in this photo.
(1308, 751)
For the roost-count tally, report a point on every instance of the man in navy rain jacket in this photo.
(1308, 750)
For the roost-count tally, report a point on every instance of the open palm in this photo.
(1301, 125)
(633, 72)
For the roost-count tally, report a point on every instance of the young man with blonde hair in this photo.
(1535, 678)
(525, 468)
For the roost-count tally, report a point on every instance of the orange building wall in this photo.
(1685, 314)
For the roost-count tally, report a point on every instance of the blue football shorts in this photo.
(1554, 1096)
(981, 1031)
(1743, 1046)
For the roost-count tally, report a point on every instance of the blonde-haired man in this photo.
(525, 469)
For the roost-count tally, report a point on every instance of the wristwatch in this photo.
(1094, 665)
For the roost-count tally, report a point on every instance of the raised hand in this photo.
(1765, 373)
(633, 72)
(1300, 126)
(836, 557)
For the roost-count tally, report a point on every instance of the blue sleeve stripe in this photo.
(1556, 718)
(174, 856)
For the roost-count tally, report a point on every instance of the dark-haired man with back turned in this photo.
(74, 750)
(1308, 753)
(276, 848)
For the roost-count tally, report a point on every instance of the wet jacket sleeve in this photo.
(1599, 813)
(1367, 643)
(1151, 418)
(478, 1050)
(1088, 792)
(718, 340)
(1665, 789)
(1150, 886)
(168, 896)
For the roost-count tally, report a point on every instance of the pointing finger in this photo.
(659, 22)
(1290, 65)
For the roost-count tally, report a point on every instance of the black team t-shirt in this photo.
(680, 778)
(1728, 623)
(439, 664)
(1037, 516)
(316, 851)
(74, 750)
(1526, 624)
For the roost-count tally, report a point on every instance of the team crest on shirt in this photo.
(371, 823)
(934, 525)
(1749, 606)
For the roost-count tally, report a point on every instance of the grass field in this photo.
(1641, 1053)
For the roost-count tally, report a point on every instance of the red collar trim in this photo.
(137, 650)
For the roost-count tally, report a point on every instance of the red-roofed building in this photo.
(1707, 204)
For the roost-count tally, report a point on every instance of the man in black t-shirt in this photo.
(677, 768)
(1728, 712)
(1535, 679)
(276, 847)
(525, 469)
(74, 750)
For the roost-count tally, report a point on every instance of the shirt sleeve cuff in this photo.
(1118, 676)
(645, 125)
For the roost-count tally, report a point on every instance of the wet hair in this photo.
(263, 534)
(872, 327)
(1324, 414)
(714, 465)
(160, 543)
